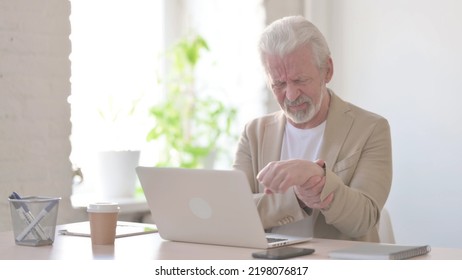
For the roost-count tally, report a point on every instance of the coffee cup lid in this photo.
(103, 207)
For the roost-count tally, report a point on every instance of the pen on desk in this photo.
(22, 213)
(37, 220)
(38, 231)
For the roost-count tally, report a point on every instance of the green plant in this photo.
(189, 124)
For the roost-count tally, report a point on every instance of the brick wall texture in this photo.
(34, 112)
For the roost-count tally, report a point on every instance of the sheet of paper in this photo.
(123, 229)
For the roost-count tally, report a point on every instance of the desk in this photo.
(152, 246)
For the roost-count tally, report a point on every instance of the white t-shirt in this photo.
(301, 144)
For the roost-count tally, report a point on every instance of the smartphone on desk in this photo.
(281, 253)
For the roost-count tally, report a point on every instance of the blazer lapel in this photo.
(338, 125)
(273, 134)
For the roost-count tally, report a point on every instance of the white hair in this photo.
(287, 34)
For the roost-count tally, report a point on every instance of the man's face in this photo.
(300, 86)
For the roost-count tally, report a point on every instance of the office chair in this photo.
(385, 228)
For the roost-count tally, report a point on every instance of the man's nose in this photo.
(292, 92)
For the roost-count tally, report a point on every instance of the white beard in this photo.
(300, 117)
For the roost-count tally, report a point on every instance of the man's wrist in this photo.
(304, 207)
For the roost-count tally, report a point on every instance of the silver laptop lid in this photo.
(202, 206)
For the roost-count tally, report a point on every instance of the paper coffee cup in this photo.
(103, 222)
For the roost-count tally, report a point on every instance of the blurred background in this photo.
(81, 77)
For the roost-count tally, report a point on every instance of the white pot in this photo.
(115, 175)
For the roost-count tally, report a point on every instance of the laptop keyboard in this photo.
(272, 240)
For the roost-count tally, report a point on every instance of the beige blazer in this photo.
(358, 155)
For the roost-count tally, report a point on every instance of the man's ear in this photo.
(329, 70)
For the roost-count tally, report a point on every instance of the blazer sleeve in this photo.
(360, 179)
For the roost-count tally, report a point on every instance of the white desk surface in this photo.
(152, 246)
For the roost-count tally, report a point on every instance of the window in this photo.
(116, 46)
(115, 49)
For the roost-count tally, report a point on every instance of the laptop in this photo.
(207, 206)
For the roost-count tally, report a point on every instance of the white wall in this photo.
(34, 112)
(402, 59)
